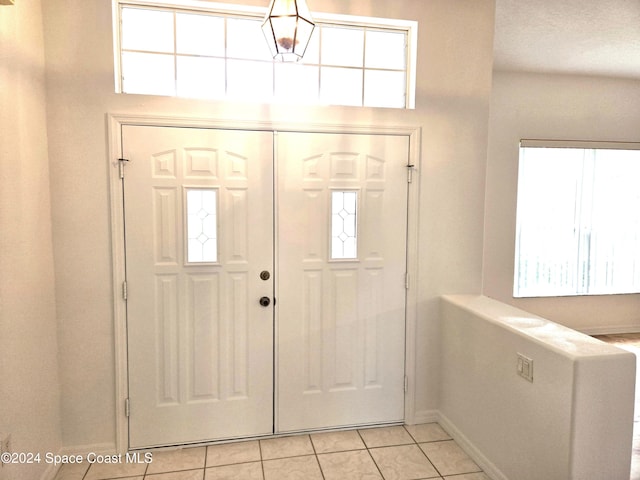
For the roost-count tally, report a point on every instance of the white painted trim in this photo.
(436, 416)
(487, 466)
(260, 12)
(115, 122)
(118, 268)
(117, 34)
(425, 416)
(411, 313)
(98, 448)
(197, 5)
(276, 283)
(587, 144)
(119, 120)
(412, 64)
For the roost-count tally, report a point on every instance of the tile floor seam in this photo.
(315, 454)
(229, 464)
(147, 473)
(320, 467)
(369, 453)
(286, 456)
(346, 450)
(412, 437)
(432, 464)
(424, 453)
(261, 460)
(149, 476)
(376, 464)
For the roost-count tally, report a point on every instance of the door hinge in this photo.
(124, 290)
(127, 407)
(406, 384)
(410, 173)
(121, 166)
(406, 281)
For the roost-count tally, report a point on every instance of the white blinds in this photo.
(578, 219)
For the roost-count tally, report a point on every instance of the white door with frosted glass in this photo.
(341, 283)
(199, 232)
(199, 216)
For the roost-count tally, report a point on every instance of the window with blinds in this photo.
(578, 219)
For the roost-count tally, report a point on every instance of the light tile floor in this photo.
(416, 452)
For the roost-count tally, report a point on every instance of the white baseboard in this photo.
(99, 448)
(488, 467)
(435, 416)
(426, 416)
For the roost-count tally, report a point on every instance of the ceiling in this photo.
(592, 37)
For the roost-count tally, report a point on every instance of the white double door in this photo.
(265, 291)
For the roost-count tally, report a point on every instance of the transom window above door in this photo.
(205, 50)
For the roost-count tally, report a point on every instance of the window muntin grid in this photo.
(215, 55)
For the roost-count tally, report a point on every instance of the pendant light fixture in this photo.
(288, 27)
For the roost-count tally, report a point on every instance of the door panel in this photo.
(342, 212)
(199, 222)
(199, 230)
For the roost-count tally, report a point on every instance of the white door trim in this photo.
(114, 125)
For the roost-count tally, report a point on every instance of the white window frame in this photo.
(250, 12)
(583, 263)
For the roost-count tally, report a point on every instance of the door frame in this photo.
(115, 122)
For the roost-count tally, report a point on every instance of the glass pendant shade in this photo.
(288, 27)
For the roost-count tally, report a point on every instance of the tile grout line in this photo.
(370, 456)
(417, 444)
(315, 453)
(261, 458)
(206, 455)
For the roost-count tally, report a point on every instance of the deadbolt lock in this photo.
(264, 275)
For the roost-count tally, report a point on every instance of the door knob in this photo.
(265, 301)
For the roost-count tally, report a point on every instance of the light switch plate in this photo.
(525, 367)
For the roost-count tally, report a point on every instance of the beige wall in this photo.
(573, 421)
(454, 81)
(452, 108)
(552, 107)
(29, 390)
